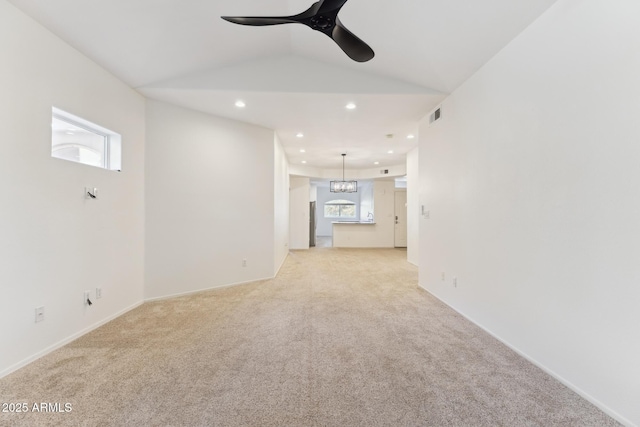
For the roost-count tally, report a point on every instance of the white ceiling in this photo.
(291, 78)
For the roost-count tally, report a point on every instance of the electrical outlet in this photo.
(455, 282)
(443, 276)
(244, 262)
(98, 293)
(39, 314)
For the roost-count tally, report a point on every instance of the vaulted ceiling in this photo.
(292, 79)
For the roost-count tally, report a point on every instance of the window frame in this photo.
(340, 203)
(110, 139)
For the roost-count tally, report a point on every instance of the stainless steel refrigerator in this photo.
(312, 224)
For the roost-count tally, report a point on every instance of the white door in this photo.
(401, 219)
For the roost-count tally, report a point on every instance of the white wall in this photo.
(313, 193)
(299, 195)
(531, 178)
(280, 204)
(357, 174)
(55, 243)
(413, 206)
(210, 201)
(365, 190)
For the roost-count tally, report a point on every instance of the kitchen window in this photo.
(339, 209)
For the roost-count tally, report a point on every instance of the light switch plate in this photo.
(39, 314)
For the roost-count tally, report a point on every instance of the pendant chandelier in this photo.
(343, 186)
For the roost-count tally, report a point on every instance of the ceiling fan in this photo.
(321, 16)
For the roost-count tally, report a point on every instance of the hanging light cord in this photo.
(343, 156)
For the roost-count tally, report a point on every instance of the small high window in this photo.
(340, 209)
(78, 140)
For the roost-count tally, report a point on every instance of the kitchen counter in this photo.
(354, 222)
(358, 234)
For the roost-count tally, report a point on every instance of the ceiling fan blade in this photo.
(321, 16)
(259, 20)
(355, 48)
(330, 5)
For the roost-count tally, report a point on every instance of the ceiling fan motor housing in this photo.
(322, 23)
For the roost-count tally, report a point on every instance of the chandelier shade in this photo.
(343, 186)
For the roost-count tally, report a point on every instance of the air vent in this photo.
(384, 171)
(435, 116)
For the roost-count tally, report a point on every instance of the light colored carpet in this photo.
(342, 337)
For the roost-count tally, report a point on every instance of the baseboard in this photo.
(66, 341)
(197, 291)
(227, 285)
(604, 408)
(84, 331)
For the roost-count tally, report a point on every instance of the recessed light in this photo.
(300, 135)
(390, 152)
(240, 104)
(410, 136)
(350, 106)
(302, 150)
(376, 163)
(304, 162)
